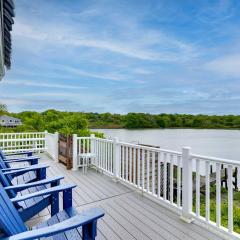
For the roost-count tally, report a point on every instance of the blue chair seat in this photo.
(59, 217)
(32, 202)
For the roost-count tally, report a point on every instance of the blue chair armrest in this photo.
(30, 153)
(44, 192)
(13, 169)
(26, 159)
(21, 187)
(24, 170)
(87, 217)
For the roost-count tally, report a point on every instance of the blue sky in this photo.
(158, 56)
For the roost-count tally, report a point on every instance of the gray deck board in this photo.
(128, 215)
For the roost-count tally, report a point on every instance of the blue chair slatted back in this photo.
(4, 165)
(2, 154)
(10, 220)
(2, 158)
(6, 183)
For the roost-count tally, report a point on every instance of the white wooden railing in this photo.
(17, 142)
(179, 180)
(218, 167)
(101, 148)
(32, 141)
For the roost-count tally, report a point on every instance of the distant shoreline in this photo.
(164, 128)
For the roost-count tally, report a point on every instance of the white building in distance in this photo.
(7, 121)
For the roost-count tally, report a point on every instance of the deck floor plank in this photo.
(128, 215)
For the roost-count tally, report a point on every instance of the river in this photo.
(216, 143)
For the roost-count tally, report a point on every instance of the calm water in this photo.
(217, 143)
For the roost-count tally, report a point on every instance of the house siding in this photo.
(6, 121)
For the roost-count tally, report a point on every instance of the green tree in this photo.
(3, 108)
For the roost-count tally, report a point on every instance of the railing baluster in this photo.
(134, 165)
(100, 153)
(130, 164)
(111, 157)
(97, 151)
(123, 162)
(207, 197)
(230, 199)
(87, 146)
(143, 169)
(197, 187)
(138, 167)
(171, 179)
(159, 175)
(148, 171)
(165, 177)
(84, 145)
(179, 181)
(153, 172)
(218, 194)
(127, 158)
(106, 156)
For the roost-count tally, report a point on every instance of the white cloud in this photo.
(134, 42)
(39, 84)
(52, 94)
(79, 72)
(12, 101)
(228, 65)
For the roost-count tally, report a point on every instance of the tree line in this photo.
(80, 122)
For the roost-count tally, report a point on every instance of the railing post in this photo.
(92, 149)
(46, 139)
(116, 158)
(92, 143)
(238, 178)
(186, 185)
(75, 153)
(56, 136)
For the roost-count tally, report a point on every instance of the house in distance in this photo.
(7, 121)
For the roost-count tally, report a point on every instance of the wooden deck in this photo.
(128, 215)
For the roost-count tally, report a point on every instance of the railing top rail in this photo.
(104, 140)
(101, 139)
(151, 148)
(22, 133)
(21, 139)
(215, 159)
(84, 137)
(49, 133)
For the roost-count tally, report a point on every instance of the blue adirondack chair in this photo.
(4, 155)
(32, 173)
(27, 208)
(30, 159)
(63, 225)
